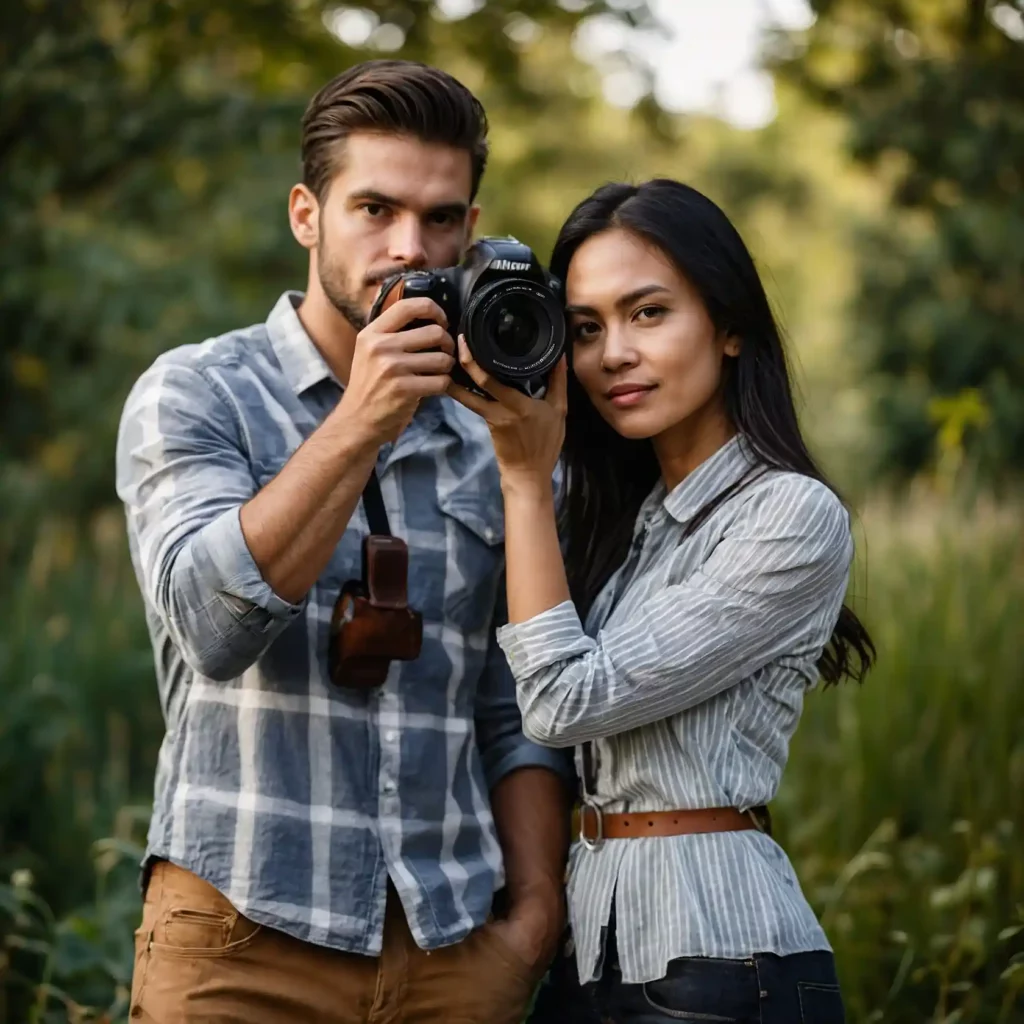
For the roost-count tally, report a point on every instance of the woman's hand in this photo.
(527, 432)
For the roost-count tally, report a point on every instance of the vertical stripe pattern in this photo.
(688, 677)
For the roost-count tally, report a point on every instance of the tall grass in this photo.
(903, 807)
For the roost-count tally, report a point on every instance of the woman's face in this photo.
(644, 348)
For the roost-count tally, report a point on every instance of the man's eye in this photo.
(443, 219)
(374, 209)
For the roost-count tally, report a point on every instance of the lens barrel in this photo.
(515, 328)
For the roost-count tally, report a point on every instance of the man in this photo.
(319, 853)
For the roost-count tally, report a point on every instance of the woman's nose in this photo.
(619, 353)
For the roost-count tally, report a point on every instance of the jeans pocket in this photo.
(820, 1003)
(705, 990)
(680, 1013)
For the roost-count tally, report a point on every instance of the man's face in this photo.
(396, 203)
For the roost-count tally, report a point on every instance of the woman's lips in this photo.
(625, 396)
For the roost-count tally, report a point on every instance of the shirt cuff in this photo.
(524, 753)
(239, 582)
(551, 636)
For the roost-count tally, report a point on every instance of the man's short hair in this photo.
(397, 97)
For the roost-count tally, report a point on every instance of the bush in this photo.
(902, 807)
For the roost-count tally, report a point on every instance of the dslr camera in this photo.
(508, 307)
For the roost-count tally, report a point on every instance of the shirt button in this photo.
(389, 736)
(489, 534)
(389, 786)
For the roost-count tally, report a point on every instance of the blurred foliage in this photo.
(933, 91)
(147, 150)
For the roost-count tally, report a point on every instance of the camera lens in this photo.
(516, 330)
(513, 325)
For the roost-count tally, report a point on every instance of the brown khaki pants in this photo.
(197, 960)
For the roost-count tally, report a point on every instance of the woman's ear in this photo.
(732, 345)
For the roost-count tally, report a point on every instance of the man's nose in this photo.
(406, 243)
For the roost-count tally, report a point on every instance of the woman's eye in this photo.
(583, 331)
(650, 312)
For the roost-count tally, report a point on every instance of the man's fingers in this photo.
(420, 338)
(425, 363)
(395, 317)
(422, 386)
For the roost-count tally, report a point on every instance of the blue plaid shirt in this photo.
(293, 798)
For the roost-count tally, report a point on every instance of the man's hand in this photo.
(293, 525)
(392, 368)
(534, 926)
(531, 812)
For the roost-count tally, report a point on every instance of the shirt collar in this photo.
(301, 361)
(714, 475)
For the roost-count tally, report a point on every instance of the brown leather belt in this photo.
(593, 827)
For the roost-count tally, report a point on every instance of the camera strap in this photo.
(373, 506)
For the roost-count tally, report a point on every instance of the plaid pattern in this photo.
(294, 799)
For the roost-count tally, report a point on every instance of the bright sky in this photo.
(709, 64)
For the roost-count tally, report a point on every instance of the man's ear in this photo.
(304, 216)
(472, 216)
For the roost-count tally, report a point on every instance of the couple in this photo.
(403, 854)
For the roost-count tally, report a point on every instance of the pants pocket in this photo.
(820, 1003)
(707, 990)
(678, 1012)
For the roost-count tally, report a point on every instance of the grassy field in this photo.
(903, 807)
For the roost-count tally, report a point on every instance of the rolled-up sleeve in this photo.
(773, 586)
(183, 477)
(503, 745)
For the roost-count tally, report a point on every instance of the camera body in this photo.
(500, 297)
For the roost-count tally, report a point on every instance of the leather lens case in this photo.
(372, 624)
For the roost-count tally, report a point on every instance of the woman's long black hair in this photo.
(608, 476)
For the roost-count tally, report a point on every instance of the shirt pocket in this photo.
(472, 521)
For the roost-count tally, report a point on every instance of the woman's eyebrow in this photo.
(626, 300)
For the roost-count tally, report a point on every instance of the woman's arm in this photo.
(535, 571)
(772, 587)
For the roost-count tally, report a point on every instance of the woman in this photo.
(708, 559)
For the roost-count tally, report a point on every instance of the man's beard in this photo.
(346, 304)
(332, 281)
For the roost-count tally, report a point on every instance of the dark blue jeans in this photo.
(762, 989)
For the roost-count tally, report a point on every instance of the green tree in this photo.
(147, 152)
(934, 92)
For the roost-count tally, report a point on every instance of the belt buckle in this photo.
(591, 844)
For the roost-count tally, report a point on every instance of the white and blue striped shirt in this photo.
(297, 800)
(689, 678)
